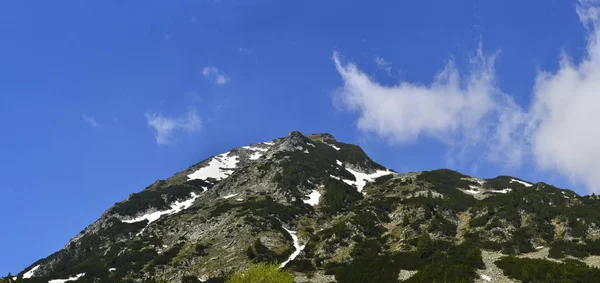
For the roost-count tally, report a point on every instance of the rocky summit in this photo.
(324, 211)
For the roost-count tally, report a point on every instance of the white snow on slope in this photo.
(501, 191)
(112, 269)
(175, 207)
(29, 273)
(229, 196)
(473, 192)
(256, 155)
(313, 198)
(334, 147)
(521, 182)
(311, 144)
(298, 247)
(486, 278)
(219, 167)
(269, 143)
(68, 279)
(363, 178)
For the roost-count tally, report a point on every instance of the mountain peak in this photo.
(322, 137)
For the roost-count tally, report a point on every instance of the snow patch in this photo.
(68, 279)
(334, 147)
(256, 155)
(306, 151)
(175, 208)
(297, 246)
(239, 199)
(501, 191)
(363, 178)
(539, 247)
(486, 278)
(313, 198)
(229, 196)
(311, 144)
(338, 162)
(112, 269)
(255, 148)
(219, 167)
(473, 192)
(269, 143)
(29, 273)
(521, 182)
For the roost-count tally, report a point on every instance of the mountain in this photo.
(326, 212)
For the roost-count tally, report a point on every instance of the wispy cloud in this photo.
(245, 50)
(165, 127)
(213, 74)
(90, 120)
(383, 65)
(557, 133)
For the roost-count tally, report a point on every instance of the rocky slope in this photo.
(328, 213)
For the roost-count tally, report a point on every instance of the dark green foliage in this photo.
(338, 196)
(190, 279)
(263, 208)
(538, 270)
(301, 265)
(480, 221)
(560, 249)
(259, 253)
(446, 182)
(437, 261)
(447, 263)
(168, 255)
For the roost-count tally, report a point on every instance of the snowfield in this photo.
(29, 273)
(313, 198)
(297, 246)
(219, 167)
(68, 279)
(175, 208)
(521, 182)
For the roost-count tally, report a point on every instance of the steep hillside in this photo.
(326, 212)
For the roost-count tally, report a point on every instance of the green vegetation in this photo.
(446, 182)
(437, 261)
(259, 253)
(338, 196)
(538, 270)
(262, 273)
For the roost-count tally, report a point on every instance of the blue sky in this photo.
(98, 99)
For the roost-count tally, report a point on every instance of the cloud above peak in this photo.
(447, 107)
(557, 133)
(213, 74)
(165, 127)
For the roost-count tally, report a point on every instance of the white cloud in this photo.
(164, 127)
(448, 106)
(383, 65)
(90, 120)
(557, 133)
(213, 74)
(564, 118)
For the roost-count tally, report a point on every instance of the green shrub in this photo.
(262, 273)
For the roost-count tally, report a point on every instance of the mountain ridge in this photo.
(325, 211)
